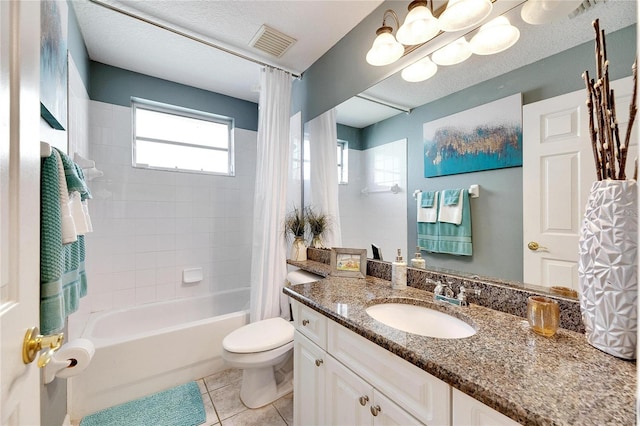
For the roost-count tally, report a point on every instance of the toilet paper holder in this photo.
(34, 342)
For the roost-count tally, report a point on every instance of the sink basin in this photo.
(420, 320)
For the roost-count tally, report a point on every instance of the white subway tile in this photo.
(123, 280)
(124, 298)
(145, 277)
(145, 295)
(145, 260)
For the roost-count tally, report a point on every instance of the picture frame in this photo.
(348, 262)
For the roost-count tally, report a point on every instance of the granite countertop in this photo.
(530, 378)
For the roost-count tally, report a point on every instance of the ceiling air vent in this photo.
(271, 41)
(584, 6)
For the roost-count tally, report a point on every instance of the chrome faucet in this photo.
(444, 293)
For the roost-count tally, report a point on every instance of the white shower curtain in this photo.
(268, 260)
(323, 140)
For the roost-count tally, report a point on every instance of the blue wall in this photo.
(77, 48)
(116, 86)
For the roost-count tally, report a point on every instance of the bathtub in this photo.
(149, 348)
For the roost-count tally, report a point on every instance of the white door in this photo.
(348, 398)
(387, 413)
(19, 207)
(558, 170)
(308, 382)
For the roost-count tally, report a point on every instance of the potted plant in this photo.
(295, 224)
(318, 225)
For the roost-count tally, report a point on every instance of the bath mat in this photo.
(179, 406)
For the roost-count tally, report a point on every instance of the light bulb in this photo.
(419, 26)
(419, 71)
(385, 49)
(464, 14)
(495, 36)
(453, 53)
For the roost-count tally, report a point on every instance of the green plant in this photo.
(318, 222)
(295, 223)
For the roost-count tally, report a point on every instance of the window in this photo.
(343, 161)
(173, 138)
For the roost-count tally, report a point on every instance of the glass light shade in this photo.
(419, 26)
(464, 14)
(453, 53)
(537, 12)
(495, 36)
(385, 49)
(419, 71)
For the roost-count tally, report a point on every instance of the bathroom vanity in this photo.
(352, 369)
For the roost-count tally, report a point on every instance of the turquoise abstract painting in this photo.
(482, 138)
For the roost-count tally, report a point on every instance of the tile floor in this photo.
(221, 398)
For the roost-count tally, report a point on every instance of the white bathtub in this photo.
(149, 348)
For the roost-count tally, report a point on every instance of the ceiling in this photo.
(125, 42)
(117, 39)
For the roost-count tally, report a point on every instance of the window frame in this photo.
(181, 112)
(343, 178)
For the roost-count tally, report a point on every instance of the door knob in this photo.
(534, 246)
(35, 342)
(375, 410)
(363, 400)
(319, 362)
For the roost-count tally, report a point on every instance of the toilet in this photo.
(264, 352)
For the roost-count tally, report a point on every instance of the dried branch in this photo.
(592, 131)
(632, 117)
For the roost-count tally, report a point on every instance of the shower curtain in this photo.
(268, 260)
(323, 139)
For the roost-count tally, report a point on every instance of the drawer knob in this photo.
(319, 362)
(305, 321)
(364, 400)
(375, 410)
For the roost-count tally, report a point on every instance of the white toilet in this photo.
(264, 351)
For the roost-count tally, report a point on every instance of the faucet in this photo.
(444, 293)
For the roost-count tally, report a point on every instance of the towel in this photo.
(69, 233)
(428, 206)
(62, 277)
(456, 239)
(451, 210)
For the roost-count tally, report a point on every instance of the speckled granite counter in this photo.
(530, 378)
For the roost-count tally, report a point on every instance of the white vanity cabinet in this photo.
(329, 390)
(468, 411)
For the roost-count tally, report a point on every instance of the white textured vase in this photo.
(298, 250)
(607, 267)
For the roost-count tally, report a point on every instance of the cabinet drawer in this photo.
(422, 395)
(471, 412)
(310, 323)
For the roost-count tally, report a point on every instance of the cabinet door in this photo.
(348, 398)
(387, 413)
(308, 382)
(468, 411)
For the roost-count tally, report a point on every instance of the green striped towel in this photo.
(62, 276)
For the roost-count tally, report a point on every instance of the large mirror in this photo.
(547, 61)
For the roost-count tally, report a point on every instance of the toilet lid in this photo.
(259, 336)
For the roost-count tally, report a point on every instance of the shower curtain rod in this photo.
(190, 37)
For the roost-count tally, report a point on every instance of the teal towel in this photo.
(428, 236)
(428, 199)
(74, 176)
(451, 197)
(456, 239)
(62, 276)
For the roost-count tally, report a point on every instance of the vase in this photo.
(316, 242)
(607, 267)
(298, 250)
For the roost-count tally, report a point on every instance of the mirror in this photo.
(545, 54)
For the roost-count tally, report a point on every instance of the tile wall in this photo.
(151, 225)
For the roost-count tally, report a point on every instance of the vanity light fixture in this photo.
(453, 53)
(536, 12)
(419, 71)
(385, 49)
(464, 14)
(495, 36)
(419, 26)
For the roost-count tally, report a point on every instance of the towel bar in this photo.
(474, 192)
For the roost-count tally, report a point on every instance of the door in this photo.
(19, 207)
(348, 398)
(387, 413)
(558, 171)
(308, 382)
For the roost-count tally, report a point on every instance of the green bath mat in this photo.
(179, 406)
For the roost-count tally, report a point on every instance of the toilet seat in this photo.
(259, 336)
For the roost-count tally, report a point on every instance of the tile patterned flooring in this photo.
(221, 398)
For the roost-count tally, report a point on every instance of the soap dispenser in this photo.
(418, 261)
(399, 272)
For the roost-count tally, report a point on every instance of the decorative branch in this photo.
(609, 153)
